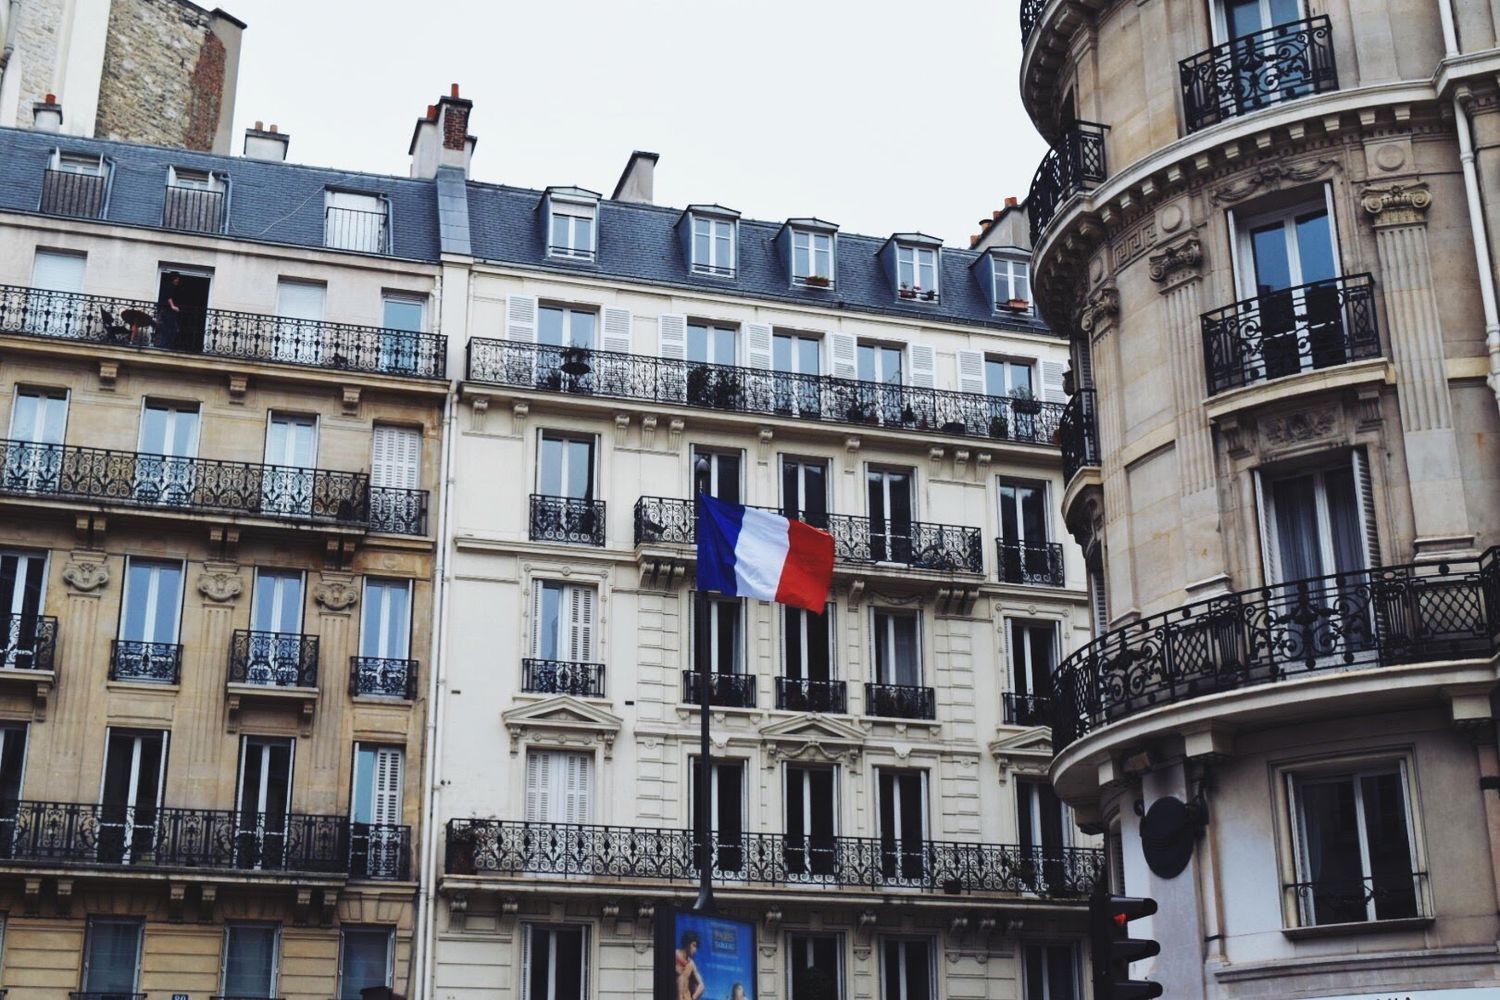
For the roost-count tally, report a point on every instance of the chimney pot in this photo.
(432, 112)
(47, 116)
(273, 128)
(51, 99)
(453, 91)
(260, 126)
(1011, 202)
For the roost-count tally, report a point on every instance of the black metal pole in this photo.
(702, 790)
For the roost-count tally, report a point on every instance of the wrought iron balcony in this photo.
(516, 849)
(1038, 565)
(1393, 895)
(398, 511)
(585, 372)
(72, 834)
(273, 659)
(356, 229)
(574, 520)
(724, 690)
(1290, 330)
(192, 209)
(382, 677)
(1258, 71)
(154, 662)
(582, 680)
(1419, 613)
(798, 694)
(221, 333)
(27, 642)
(1028, 709)
(1031, 12)
(1078, 433)
(67, 192)
(900, 701)
(945, 548)
(1074, 163)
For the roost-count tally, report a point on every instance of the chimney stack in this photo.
(441, 137)
(266, 144)
(1010, 202)
(46, 116)
(638, 182)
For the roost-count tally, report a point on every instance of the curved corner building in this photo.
(1264, 224)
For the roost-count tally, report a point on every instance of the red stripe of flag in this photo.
(807, 575)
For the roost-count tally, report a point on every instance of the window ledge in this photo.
(1361, 927)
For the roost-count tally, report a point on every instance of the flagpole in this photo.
(702, 791)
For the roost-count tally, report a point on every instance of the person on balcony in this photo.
(169, 312)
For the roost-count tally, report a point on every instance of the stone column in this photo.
(1399, 214)
(1097, 321)
(77, 703)
(336, 595)
(200, 733)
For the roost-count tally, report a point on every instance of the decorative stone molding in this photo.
(349, 400)
(336, 594)
(479, 408)
(562, 721)
(1397, 204)
(238, 385)
(675, 427)
(622, 429)
(220, 585)
(1270, 175)
(109, 374)
(1102, 304)
(85, 576)
(1177, 262)
(1286, 429)
(648, 431)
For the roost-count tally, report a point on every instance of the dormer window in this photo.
(917, 273)
(812, 258)
(1012, 286)
(713, 246)
(355, 221)
(572, 224)
(74, 184)
(193, 201)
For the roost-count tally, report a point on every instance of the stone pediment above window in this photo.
(1027, 752)
(562, 721)
(812, 738)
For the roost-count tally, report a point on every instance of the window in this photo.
(879, 363)
(726, 811)
(811, 820)
(723, 476)
(79, 163)
(815, 966)
(1238, 18)
(12, 774)
(38, 419)
(403, 313)
(906, 971)
(299, 332)
(711, 345)
(250, 953)
(354, 221)
(193, 200)
(726, 647)
(1098, 600)
(169, 429)
(796, 354)
(23, 585)
(1043, 830)
(75, 185)
(1052, 972)
(1287, 263)
(130, 794)
(804, 489)
(807, 653)
(713, 246)
(1008, 378)
(53, 305)
(1012, 285)
(377, 846)
(396, 457)
(152, 601)
(1033, 655)
(556, 963)
(1355, 855)
(902, 818)
(265, 798)
(916, 272)
(1317, 523)
(1026, 555)
(560, 326)
(559, 786)
(277, 603)
(571, 229)
(812, 258)
(385, 631)
(365, 959)
(897, 656)
(566, 466)
(112, 955)
(889, 494)
(292, 447)
(564, 622)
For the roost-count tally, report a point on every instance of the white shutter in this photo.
(921, 364)
(576, 792)
(538, 792)
(58, 272)
(843, 355)
(1052, 382)
(581, 624)
(1269, 555)
(617, 324)
(1364, 495)
(396, 457)
(388, 776)
(971, 371)
(538, 592)
(1009, 654)
(299, 300)
(520, 318)
(757, 345)
(672, 336)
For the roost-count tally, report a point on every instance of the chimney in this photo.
(441, 137)
(637, 183)
(46, 116)
(266, 144)
(1010, 202)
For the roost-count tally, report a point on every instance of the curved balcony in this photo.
(1073, 164)
(1258, 71)
(1419, 613)
(1290, 330)
(1031, 12)
(1078, 433)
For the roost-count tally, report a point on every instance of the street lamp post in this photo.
(702, 790)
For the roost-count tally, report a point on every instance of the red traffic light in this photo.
(1113, 949)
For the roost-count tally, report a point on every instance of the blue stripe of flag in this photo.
(718, 533)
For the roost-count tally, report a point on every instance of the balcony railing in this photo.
(398, 511)
(517, 849)
(585, 372)
(1290, 330)
(273, 659)
(582, 680)
(1028, 709)
(1031, 12)
(1037, 565)
(154, 662)
(382, 677)
(67, 192)
(798, 694)
(724, 690)
(1078, 433)
(574, 520)
(356, 229)
(1257, 71)
(134, 479)
(222, 333)
(1417, 613)
(1391, 895)
(946, 548)
(194, 210)
(1075, 162)
(900, 701)
(27, 642)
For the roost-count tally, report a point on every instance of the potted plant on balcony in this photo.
(999, 429)
(908, 291)
(699, 379)
(1022, 401)
(817, 281)
(461, 843)
(1018, 306)
(726, 395)
(930, 295)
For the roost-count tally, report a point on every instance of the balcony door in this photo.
(559, 787)
(906, 971)
(385, 629)
(1023, 531)
(23, 580)
(566, 467)
(276, 615)
(33, 455)
(726, 812)
(1287, 264)
(376, 843)
(804, 490)
(299, 334)
(112, 957)
(168, 444)
(291, 454)
(811, 822)
(795, 358)
(130, 795)
(54, 307)
(150, 616)
(12, 774)
(264, 800)
(722, 480)
(565, 340)
(1266, 70)
(1033, 654)
(897, 652)
(1043, 833)
(902, 818)
(881, 366)
(563, 622)
(889, 494)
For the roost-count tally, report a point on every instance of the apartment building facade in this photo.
(223, 400)
(1272, 253)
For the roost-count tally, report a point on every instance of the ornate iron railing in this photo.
(99, 995)
(724, 690)
(398, 511)
(1076, 161)
(1290, 330)
(273, 659)
(1394, 895)
(67, 192)
(1031, 12)
(27, 642)
(356, 229)
(1078, 434)
(1033, 564)
(36, 312)
(567, 519)
(150, 837)
(1416, 613)
(900, 701)
(582, 680)
(157, 662)
(1257, 71)
(197, 210)
(1028, 709)
(382, 677)
(508, 848)
(946, 548)
(586, 372)
(798, 694)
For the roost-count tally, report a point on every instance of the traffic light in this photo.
(1112, 949)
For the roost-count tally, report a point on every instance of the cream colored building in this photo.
(1264, 224)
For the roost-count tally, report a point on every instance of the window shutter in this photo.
(971, 371)
(842, 355)
(388, 768)
(538, 591)
(672, 336)
(578, 781)
(1016, 667)
(1052, 382)
(1083, 374)
(1364, 495)
(1098, 601)
(528, 943)
(921, 364)
(580, 624)
(538, 773)
(396, 457)
(1270, 558)
(757, 345)
(520, 318)
(617, 324)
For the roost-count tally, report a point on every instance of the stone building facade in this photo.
(1270, 252)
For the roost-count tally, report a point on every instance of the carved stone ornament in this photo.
(1303, 425)
(85, 576)
(1184, 256)
(1270, 174)
(221, 586)
(1397, 205)
(336, 595)
(1101, 304)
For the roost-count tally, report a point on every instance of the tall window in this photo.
(299, 333)
(901, 798)
(405, 313)
(559, 786)
(897, 652)
(566, 466)
(376, 844)
(571, 233)
(726, 811)
(1033, 655)
(725, 642)
(38, 418)
(796, 354)
(564, 617)
(250, 952)
(807, 652)
(879, 363)
(130, 793)
(385, 632)
(1012, 285)
(152, 601)
(916, 270)
(12, 774)
(23, 585)
(556, 963)
(906, 971)
(366, 958)
(1318, 523)
(804, 489)
(112, 955)
(811, 819)
(815, 966)
(264, 800)
(889, 495)
(1040, 823)
(711, 345)
(812, 256)
(1287, 263)
(713, 246)
(1008, 378)
(1052, 972)
(396, 457)
(723, 474)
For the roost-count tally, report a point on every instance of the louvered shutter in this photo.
(617, 327)
(843, 356)
(1364, 495)
(672, 336)
(971, 371)
(396, 457)
(389, 764)
(538, 790)
(1083, 376)
(580, 624)
(520, 318)
(757, 345)
(538, 626)
(921, 364)
(1016, 666)
(1098, 601)
(576, 793)
(1269, 556)
(1052, 382)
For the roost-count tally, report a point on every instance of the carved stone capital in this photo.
(336, 594)
(1101, 305)
(85, 576)
(220, 586)
(1397, 204)
(1177, 262)
(1272, 175)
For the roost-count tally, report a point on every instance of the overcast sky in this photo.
(877, 115)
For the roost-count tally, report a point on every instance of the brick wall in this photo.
(163, 80)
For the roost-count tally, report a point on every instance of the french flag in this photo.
(754, 553)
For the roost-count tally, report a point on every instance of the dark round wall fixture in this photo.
(1168, 831)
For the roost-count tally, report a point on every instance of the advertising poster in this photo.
(703, 958)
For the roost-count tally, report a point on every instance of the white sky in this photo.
(876, 115)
